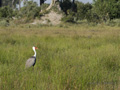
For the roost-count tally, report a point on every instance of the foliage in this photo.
(0, 3)
(7, 3)
(100, 11)
(107, 10)
(92, 17)
(6, 12)
(66, 5)
(68, 18)
(4, 22)
(30, 10)
(80, 13)
(114, 22)
(57, 8)
(82, 10)
(44, 6)
(69, 9)
(42, 2)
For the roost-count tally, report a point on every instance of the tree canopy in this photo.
(107, 9)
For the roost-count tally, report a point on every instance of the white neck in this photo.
(35, 53)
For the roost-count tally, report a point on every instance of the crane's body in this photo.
(32, 60)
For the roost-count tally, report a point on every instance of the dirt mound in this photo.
(52, 18)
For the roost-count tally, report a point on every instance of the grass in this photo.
(69, 57)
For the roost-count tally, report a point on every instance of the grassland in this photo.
(69, 58)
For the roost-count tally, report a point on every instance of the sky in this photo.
(84, 1)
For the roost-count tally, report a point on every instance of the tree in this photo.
(0, 3)
(6, 3)
(82, 10)
(51, 4)
(42, 2)
(6, 12)
(73, 5)
(13, 3)
(29, 11)
(66, 5)
(19, 4)
(106, 9)
(73, 2)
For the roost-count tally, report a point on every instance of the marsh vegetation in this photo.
(69, 57)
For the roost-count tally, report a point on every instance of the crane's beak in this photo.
(36, 48)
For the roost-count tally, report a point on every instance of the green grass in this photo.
(68, 58)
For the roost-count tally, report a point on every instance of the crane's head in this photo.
(34, 48)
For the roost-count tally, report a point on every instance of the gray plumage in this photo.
(30, 62)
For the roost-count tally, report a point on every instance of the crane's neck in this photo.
(34, 53)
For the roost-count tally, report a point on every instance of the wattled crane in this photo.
(32, 60)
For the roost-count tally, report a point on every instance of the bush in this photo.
(114, 22)
(66, 5)
(106, 10)
(6, 12)
(4, 23)
(68, 18)
(31, 10)
(44, 6)
(92, 17)
(82, 10)
(80, 13)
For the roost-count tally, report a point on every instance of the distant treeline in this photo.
(99, 11)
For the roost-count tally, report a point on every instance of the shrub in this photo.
(106, 10)
(66, 5)
(4, 23)
(68, 18)
(6, 12)
(92, 17)
(80, 13)
(30, 10)
(114, 22)
(44, 6)
(82, 10)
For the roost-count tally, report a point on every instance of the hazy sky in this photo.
(84, 1)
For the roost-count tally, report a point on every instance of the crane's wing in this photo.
(30, 62)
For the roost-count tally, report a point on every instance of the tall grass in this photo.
(72, 58)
